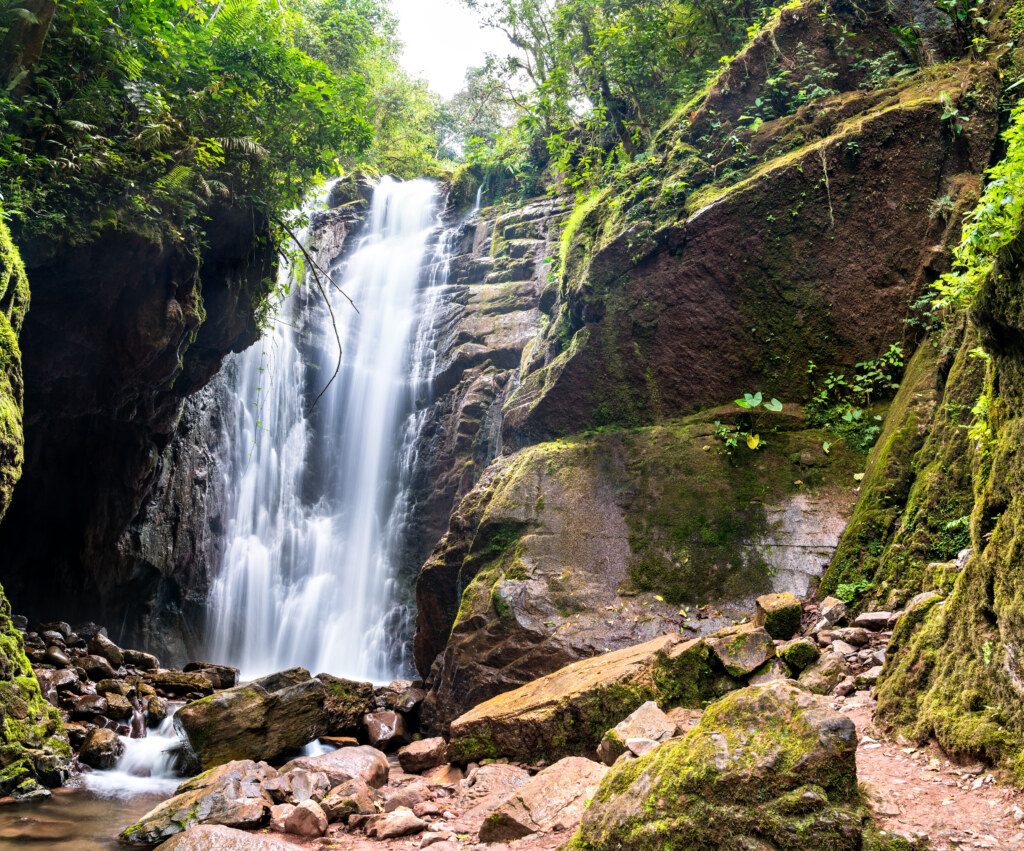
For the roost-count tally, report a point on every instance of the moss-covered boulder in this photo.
(779, 614)
(568, 712)
(767, 767)
(261, 720)
(345, 703)
(573, 547)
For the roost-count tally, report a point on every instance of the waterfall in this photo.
(318, 499)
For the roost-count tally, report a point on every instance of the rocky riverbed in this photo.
(586, 752)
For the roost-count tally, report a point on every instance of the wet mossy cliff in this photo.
(955, 671)
(775, 223)
(782, 226)
(33, 746)
(123, 329)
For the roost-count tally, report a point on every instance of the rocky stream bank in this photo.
(758, 732)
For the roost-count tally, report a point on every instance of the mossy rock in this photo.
(779, 614)
(768, 765)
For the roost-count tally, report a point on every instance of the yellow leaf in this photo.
(753, 440)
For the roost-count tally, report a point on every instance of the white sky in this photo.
(442, 39)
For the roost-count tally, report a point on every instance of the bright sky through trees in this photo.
(442, 39)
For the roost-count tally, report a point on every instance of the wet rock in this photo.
(345, 704)
(156, 710)
(742, 649)
(100, 645)
(210, 837)
(385, 729)
(102, 749)
(739, 779)
(646, 722)
(825, 674)
(232, 802)
(55, 682)
(874, 621)
(779, 614)
(88, 706)
(425, 754)
(220, 676)
(306, 819)
(363, 762)
(178, 683)
(569, 711)
(799, 654)
(446, 775)
(56, 657)
(348, 798)
(38, 830)
(264, 719)
(249, 774)
(119, 707)
(140, 660)
(401, 822)
(97, 667)
(553, 800)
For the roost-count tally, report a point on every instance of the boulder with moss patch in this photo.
(568, 712)
(767, 767)
(779, 614)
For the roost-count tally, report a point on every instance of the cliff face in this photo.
(748, 246)
(122, 331)
(771, 238)
(33, 746)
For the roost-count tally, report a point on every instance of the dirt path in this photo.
(918, 791)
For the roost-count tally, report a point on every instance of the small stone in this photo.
(645, 722)
(100, 645)
(156, 710)
(307, 819)
(868, 678)
(427, 809)
(799, 654)
(845, 687)
(385, 729)
(833, 610)
(779, 614)
(118, 706)
(349, 798)
(423, 755)
(56, 657)
(742, 649)
(874, 621)
(98, 667)
(855, 635)
(279, 816)
(445, 775)
(88, 706)
(639, 747)
(842, 648)
(140, 660)
(401, 822)
(432, 838)
(102, 749)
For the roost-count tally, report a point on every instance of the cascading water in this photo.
(318, 500)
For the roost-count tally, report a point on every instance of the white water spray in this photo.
(318, 500)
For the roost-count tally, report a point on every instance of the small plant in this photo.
(986, 653)
(850, 592)
(748, 429)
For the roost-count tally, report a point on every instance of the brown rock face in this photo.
(567, 549)
(121, 331)
(815, 254)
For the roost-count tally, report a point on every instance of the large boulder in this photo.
(207, 837)
(264, 719)
(229, 795)
(569, 711)
(346, 703)
(362, 762)
(551, 801)
(571, 548)
(768, 767)
(102, 749)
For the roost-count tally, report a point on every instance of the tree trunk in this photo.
(23, 44)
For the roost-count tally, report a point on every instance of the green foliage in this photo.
(747, 430)
(840, 402)
(850, 592)
(589, 84)
(141, 113)
(993, 224)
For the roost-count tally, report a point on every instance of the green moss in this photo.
(751, 768)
